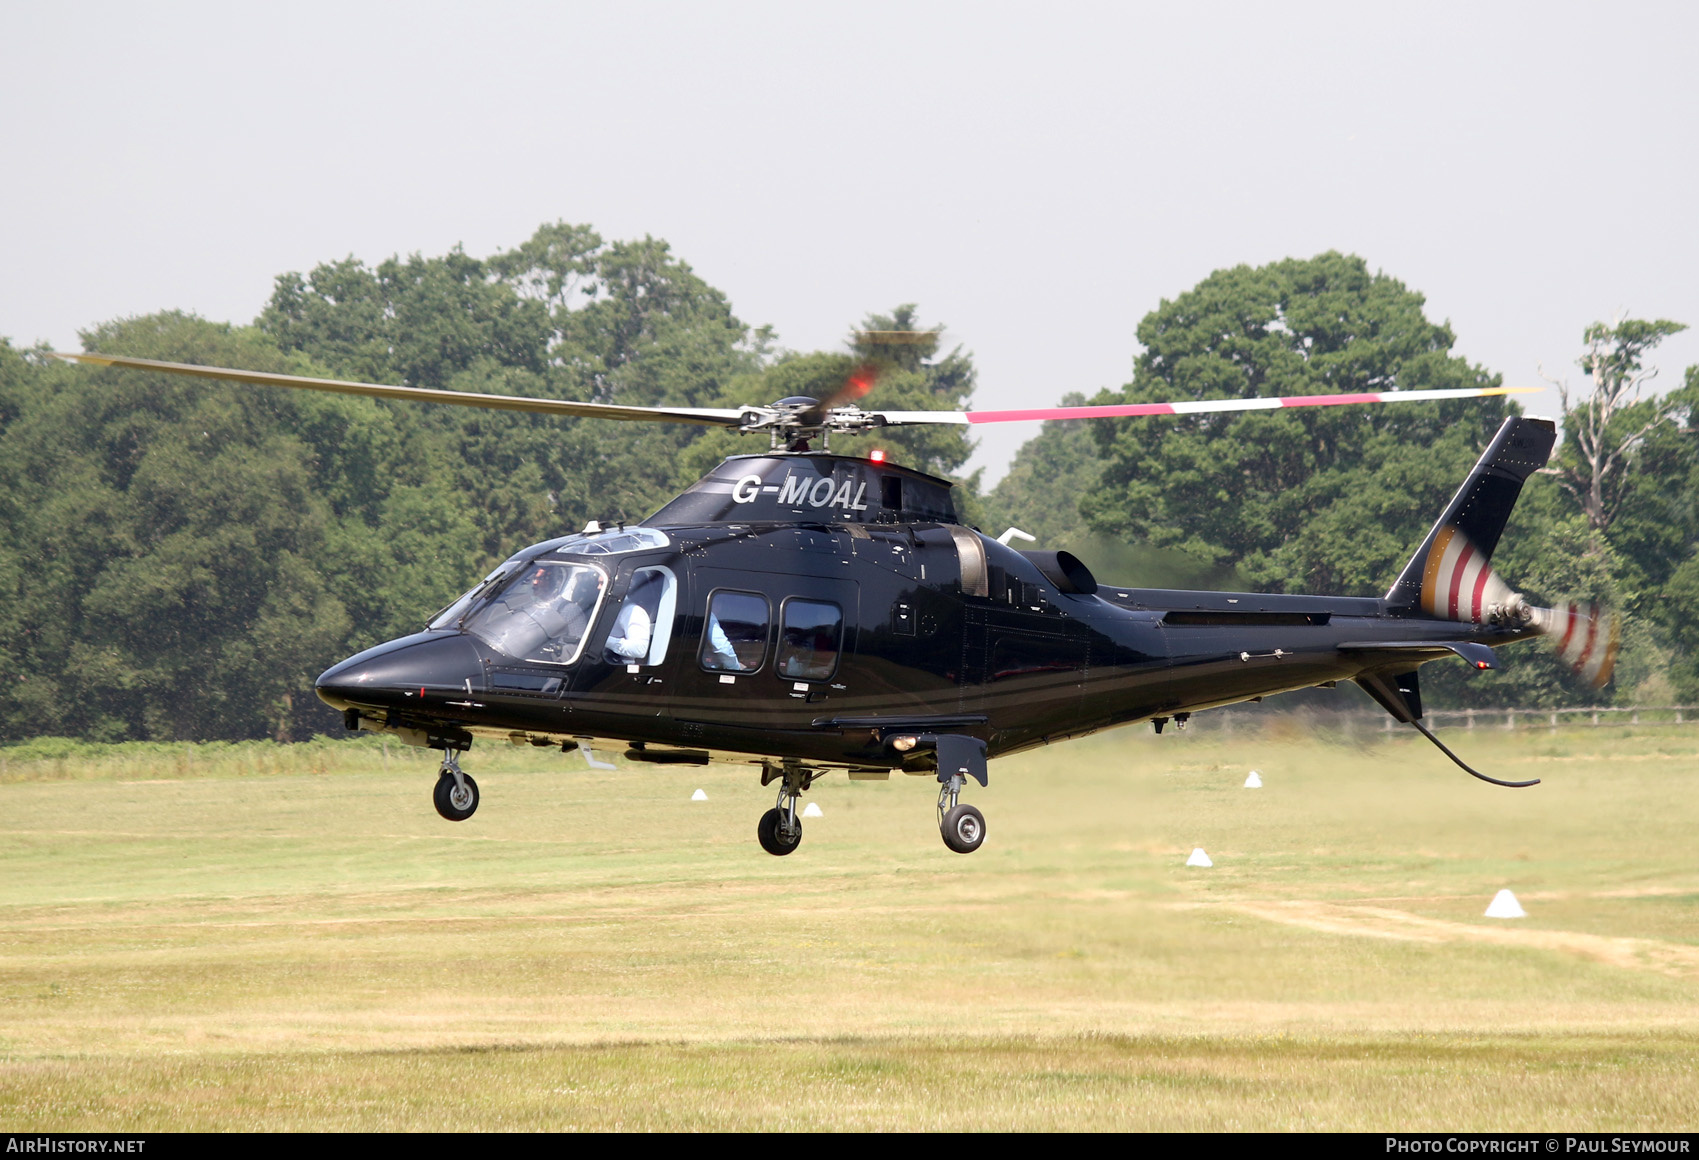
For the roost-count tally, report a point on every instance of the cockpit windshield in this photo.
(450, 616)
(542, 613)
(610, 542)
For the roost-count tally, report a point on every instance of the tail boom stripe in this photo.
(1476, 609)
(1457, 571)
(1430, 573)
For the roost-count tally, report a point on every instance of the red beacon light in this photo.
(876, 455)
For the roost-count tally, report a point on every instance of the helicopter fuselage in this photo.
(832, 636)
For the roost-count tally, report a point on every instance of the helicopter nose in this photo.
(392, 674)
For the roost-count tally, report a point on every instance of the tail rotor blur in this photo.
(1587, 636)
(1460, 584)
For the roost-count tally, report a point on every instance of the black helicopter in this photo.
(806, 612)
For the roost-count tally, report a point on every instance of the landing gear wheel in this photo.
(963, 828)
(778, 833)
(454, 803)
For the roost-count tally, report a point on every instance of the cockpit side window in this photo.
(542, 613)
(642, 629)
(734, 638)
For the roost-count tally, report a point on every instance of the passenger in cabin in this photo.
(734, 637)
(628, 643)
(722, 654)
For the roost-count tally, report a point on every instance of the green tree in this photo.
(179, 558)
(32, 696)
(1328, 500)
(1050, 473)
(167, 533)
(563, 315)
(1614, 517)
(912, 375)
(1655, 531)
(1604, 430)
(419, 322)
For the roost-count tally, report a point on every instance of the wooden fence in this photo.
(1376, 720)
(1594, 715)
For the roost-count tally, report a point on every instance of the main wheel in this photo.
(964, 829)
(454, 803)
(772, 831)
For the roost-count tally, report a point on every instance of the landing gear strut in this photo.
(780, 830)
(962, 826)
(456, 795)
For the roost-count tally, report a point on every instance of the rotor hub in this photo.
(795, 420)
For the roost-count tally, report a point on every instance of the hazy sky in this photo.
(1038, 177)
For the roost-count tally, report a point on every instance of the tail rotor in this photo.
(1460, 584)
(1587, 635)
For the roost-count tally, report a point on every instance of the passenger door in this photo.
(625, 664)
(770, 650)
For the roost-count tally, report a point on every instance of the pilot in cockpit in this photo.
(545, 583)
(563, 599)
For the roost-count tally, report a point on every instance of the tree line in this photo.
(179, 559)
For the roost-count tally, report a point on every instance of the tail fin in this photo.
(1479, 509)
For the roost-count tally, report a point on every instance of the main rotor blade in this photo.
(1192, 406)
(706, 416)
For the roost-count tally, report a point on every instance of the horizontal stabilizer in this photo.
(1478, 655)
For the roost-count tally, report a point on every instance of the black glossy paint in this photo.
(944, 631)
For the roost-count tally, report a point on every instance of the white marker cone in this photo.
(1199, 858)
(1504, 905)
(1254, 781)
(813, 811)
(699, 796)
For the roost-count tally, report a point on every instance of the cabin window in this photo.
(542, 613)
(809, 636)
(644, 624)
(734, 637)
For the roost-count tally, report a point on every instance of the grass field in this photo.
(256, 937)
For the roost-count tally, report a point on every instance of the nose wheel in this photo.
(962, 826)
(456, 794)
